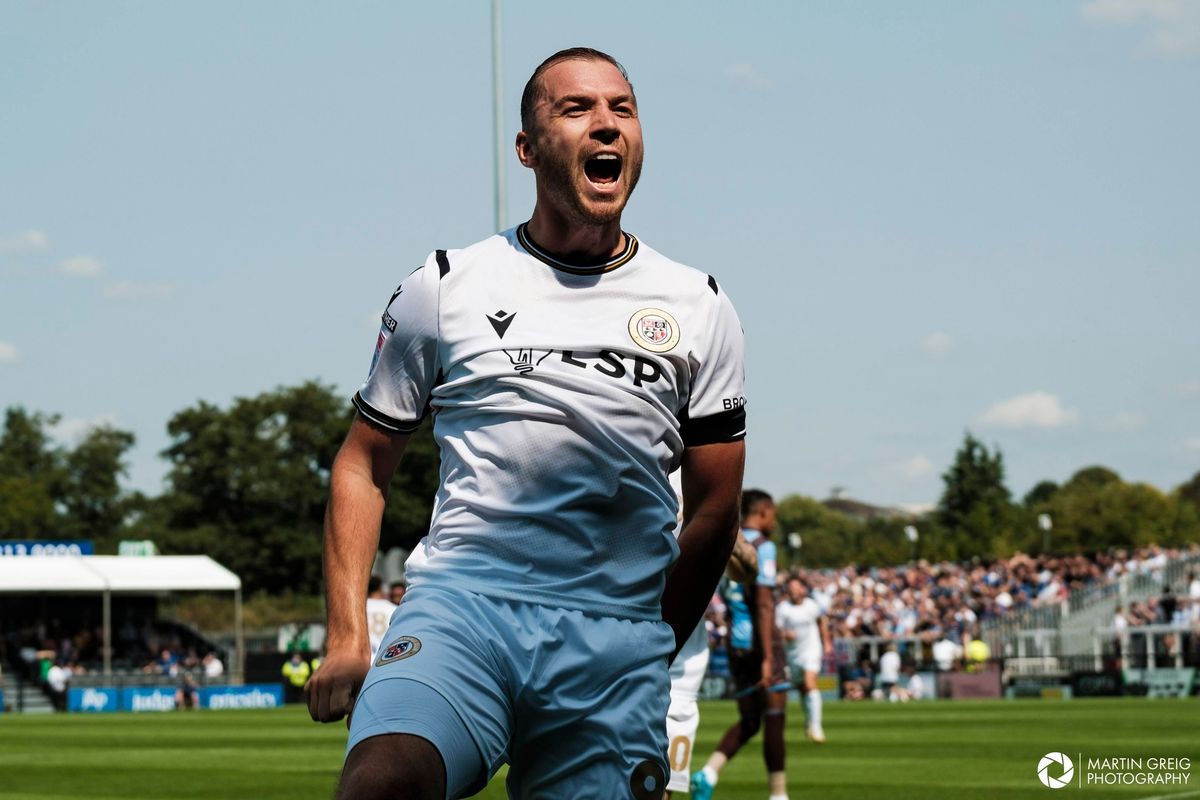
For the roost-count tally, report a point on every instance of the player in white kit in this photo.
(806, 636)
(688, 671)
(379, 613)
(568, 368)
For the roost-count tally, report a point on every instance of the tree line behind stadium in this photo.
(247, 484)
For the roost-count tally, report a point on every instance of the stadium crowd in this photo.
(931, 601)
(942, 605)
(51, 654)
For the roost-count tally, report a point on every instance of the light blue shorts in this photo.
(574, 703)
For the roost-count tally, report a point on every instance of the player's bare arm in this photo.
(358, 491)
(712, 482)
(764, 610)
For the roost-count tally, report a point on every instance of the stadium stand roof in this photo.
(117, 574)
(109, 575)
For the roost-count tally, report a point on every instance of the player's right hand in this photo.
(331, 690)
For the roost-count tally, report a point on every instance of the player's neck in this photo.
(571, 242)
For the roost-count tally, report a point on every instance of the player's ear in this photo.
(526, 152)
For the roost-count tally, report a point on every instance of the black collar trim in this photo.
(624, 257)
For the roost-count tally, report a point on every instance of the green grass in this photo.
(977, 749)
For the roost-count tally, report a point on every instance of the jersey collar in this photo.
(532, 247)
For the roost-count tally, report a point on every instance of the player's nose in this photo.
(604, 126)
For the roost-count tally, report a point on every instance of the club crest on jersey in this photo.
(402, 648)
(654, 329)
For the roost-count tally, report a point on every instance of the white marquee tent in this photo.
(109, 575)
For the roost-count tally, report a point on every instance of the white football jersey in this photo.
(801, 619)
(379, 616)
(562, 397)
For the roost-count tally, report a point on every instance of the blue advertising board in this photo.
(1, 701)
(105, 699)
(255, 695)
(46, 547)
(148, 698)
(94, 700)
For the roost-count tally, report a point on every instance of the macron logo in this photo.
(500, 322)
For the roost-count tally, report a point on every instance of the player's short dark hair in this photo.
(374, 584)
(533, 87)
(753, 499)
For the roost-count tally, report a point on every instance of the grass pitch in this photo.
(977, 749)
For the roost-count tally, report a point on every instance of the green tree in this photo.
(1189, 492)
(248, 485)
(1040, 493)
(1096, 510)
(94, 504)
(829, 537)
(48, 490)
(975, 513)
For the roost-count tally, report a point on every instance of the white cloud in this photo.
(914, 468)
(1122, 422)
(71, 431)
(1031, 410)
(8, 353)
(81, 267)
(1172, 26)
(937, 344)
(25, 242)
(1192, 444)
(747, 77)
(130, 290)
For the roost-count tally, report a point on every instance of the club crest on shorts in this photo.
(402, 648)
(654, 329)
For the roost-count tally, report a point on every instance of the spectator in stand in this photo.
(946, 653)
(889, 673)
(167, 663)
(1193, 586)
(396, 592)
(56, 684)
(213, 668)
(1167, 605)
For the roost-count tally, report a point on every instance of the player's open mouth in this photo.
(603, 169)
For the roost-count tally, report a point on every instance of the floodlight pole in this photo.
(107, 634)
(239, 636)
(1046, 524)
(501, 221)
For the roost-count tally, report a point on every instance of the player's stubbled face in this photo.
(588, 142)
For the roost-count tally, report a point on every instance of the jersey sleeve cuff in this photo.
(381, 420)
(719, 428)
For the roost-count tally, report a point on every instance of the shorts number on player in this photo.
(680, 753)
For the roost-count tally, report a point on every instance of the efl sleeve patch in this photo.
(404, 369)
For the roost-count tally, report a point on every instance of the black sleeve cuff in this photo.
(726, 426)
(381, 420)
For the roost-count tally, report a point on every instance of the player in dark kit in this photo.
(756, 659)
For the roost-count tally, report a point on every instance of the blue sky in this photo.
(932, 217)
